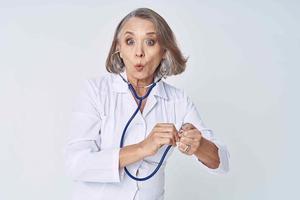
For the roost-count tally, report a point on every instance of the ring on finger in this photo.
(187, 148)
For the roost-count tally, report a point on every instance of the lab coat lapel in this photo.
(157, 92)
(150, 103)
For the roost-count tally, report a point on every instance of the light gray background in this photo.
(241, 74)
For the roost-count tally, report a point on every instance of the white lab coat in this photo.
(99, 116)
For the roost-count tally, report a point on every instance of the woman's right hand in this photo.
(161, 134)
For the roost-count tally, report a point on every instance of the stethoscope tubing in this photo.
(151, 86)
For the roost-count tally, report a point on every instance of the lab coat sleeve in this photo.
(84, 158)
(192, 116)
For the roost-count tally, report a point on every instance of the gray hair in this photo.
(174, 63)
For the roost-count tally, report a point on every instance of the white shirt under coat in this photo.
(99, 116)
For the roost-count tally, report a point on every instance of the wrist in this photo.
(200, 147)
(141, 150)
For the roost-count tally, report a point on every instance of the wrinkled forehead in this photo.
(138, 26)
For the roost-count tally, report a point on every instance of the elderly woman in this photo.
(124, 123)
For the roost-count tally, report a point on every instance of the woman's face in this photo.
(139, 49)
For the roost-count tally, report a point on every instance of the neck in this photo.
(140, 84)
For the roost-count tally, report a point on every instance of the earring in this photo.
(118, 60)
(117, 51)
(163, 68)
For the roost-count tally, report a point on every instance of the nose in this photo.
(139, 52)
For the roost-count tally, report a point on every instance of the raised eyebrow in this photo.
(151, 33)
(131, 33)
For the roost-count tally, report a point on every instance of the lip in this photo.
(139, 67)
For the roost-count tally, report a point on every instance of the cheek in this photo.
(155, 61)
(126, 56)
(155, 57)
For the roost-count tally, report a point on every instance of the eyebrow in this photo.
(131, 33)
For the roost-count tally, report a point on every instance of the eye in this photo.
(129, 41)
(150, 42)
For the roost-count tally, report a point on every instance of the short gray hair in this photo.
(174, 62)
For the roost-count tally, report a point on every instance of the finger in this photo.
(167, 135)
(167, 141)
(164, 125)
(168, 130)
(180, 132)
(177, 136)
(187, 141)
(163, 129)
(193, 134)
(182, 147)
(167, 127)
(159, 132)
(187, 126)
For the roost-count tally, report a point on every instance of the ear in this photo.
(118, 48)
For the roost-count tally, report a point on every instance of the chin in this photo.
(140, 76)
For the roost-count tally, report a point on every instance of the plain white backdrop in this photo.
(242, 75)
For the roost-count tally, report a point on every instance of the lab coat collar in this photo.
(120, 86)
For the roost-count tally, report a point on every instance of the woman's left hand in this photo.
(190, 138)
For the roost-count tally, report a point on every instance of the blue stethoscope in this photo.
(151, 86)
